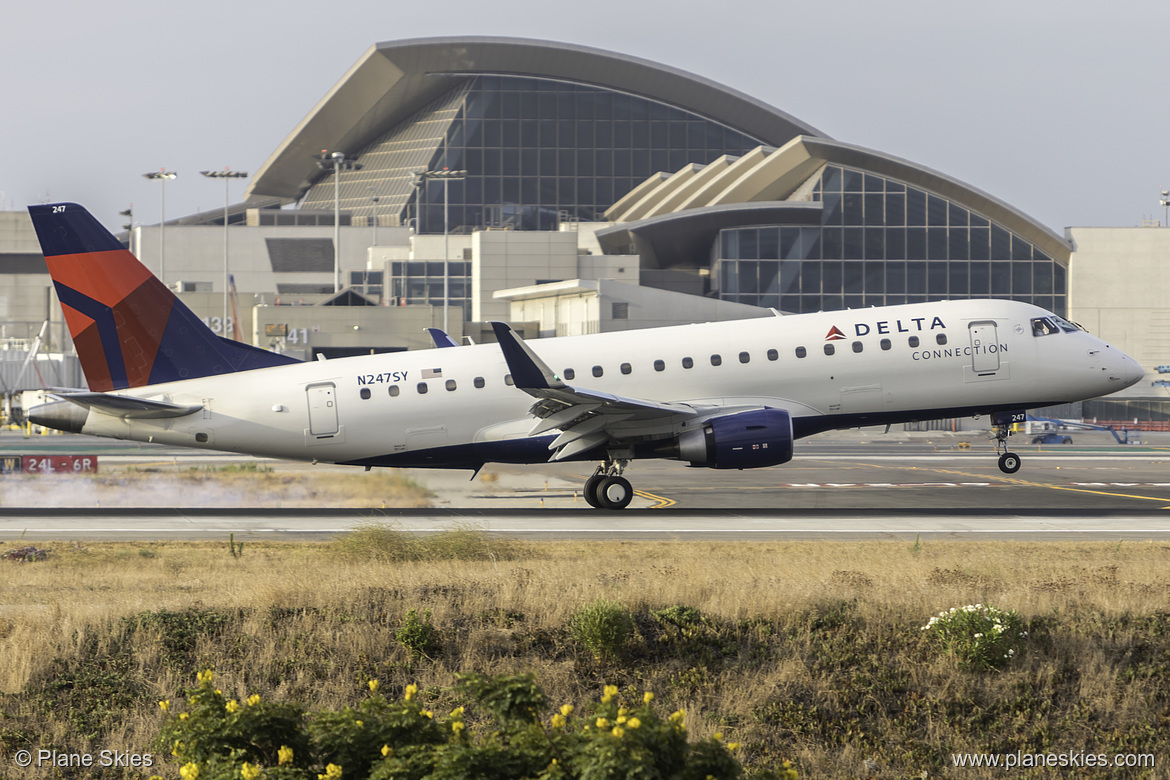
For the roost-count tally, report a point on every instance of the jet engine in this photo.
(747, 440)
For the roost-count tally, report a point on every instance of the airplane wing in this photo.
(125, 405)
(586, 418)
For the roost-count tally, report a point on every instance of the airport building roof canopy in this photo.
(684, 238)
(392, 80)
(767, 175)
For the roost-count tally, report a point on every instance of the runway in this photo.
(743, 524)
(855, 486)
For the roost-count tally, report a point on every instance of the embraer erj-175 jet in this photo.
(726, 395)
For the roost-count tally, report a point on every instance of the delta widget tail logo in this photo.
(128, 328)
(835, 334)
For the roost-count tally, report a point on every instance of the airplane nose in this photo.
(1132, 371)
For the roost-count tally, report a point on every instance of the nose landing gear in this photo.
(1009, 462)
(607, 488)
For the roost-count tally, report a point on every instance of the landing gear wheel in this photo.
(1009, 463)
(614, 493)
(591, 489)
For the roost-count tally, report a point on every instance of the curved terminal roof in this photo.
(684, 238)
(768, 175)
(392, 80)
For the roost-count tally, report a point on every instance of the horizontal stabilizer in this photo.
(128, 406)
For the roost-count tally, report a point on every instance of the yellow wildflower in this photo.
(411, 690)
(677, 716)
(623, 711)
(602, 723)
(457, 726)
(253, 700)
(618, 731)
(284, 755)
(558, 721)
(332, 772)
(177, 750)
(359, 723)
(733, 746)
(647, 697)
(189, 771)
(232, 706)
(164, 705)
(790, 772)
(249, 771)
(373, 686)
(387, 751)
(717, 736)
(217, 690)
(608, 693)
(621, 719)
(567, 710)
(184, 716)
(457, 712)
(205, 677)
(427, 714)
(633, 723)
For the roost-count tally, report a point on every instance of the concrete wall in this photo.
(1119, 289)
(506, 258)
(588, 306)
(194, 253)
(350, 327)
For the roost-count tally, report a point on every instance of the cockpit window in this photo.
(1044, 326)
(1066, 326)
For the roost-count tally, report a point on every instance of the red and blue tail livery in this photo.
(128, 328)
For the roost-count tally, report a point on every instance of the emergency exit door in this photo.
(322, 410)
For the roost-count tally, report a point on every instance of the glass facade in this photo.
(417, 282)
(536, 151)
(882, 242)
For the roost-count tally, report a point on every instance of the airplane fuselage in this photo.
(457, 407)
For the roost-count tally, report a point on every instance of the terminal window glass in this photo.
(892, 226)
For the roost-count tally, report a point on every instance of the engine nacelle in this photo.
(746, 440)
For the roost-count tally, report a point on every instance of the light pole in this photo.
(337, 161)
(162, 175)
(445, 175)
(374, 197)
(227, 175)
(1165, 208)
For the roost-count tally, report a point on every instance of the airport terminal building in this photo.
(577, 190)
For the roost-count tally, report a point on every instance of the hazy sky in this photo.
(1058, 108)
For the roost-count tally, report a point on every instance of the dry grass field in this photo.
(811, 651)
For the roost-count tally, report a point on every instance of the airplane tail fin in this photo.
(128, 328)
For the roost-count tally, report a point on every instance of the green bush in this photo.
(418, 635)
(603, 628)
(215, 739)
(979, 636)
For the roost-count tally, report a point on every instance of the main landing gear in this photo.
(1009, 462)
(607, 488)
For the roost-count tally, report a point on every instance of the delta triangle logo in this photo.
(835, 334)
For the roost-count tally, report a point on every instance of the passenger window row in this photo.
(659, 365)
(885, 344)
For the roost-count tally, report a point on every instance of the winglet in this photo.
(528, 370)
(441, 338)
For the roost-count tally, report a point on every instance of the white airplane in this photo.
(721, 395)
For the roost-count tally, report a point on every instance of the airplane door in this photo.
(322, 410)
(984, 348)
